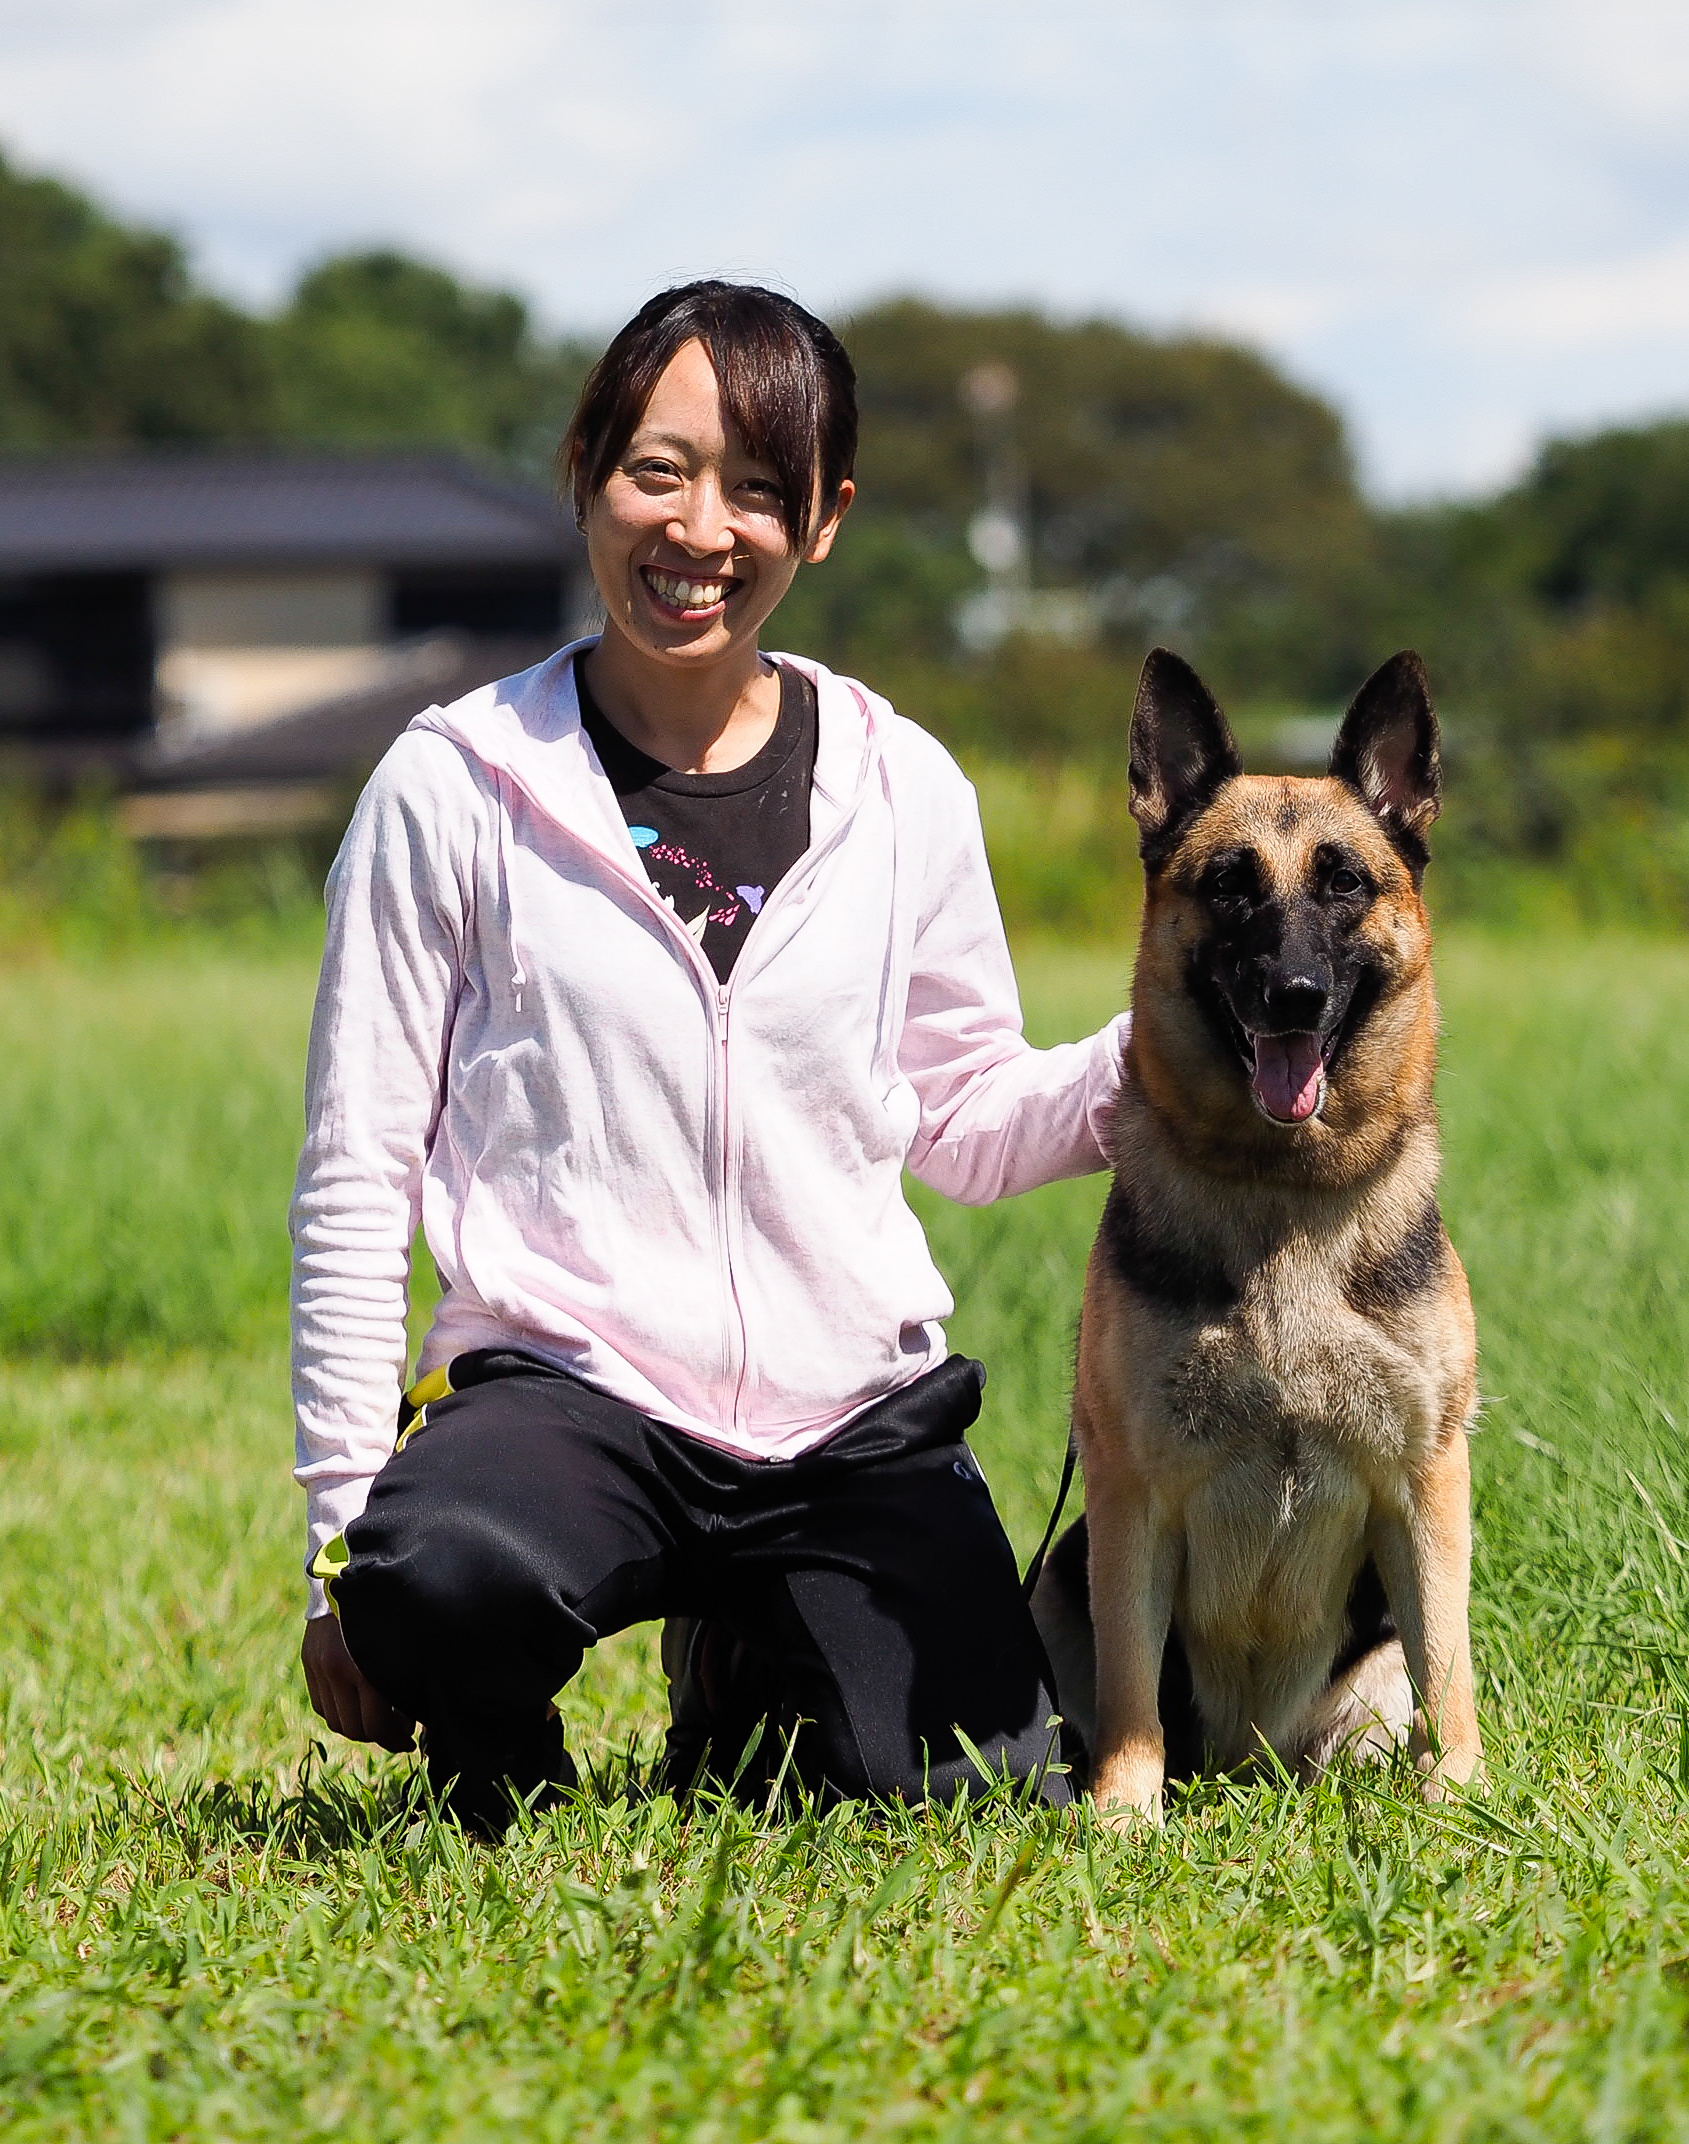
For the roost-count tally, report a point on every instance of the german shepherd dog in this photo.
(1277, 1362)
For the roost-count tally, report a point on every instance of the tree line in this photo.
(1177, 488)
(106, 340)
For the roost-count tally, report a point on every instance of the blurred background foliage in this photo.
(105, 340)
(1172, 489)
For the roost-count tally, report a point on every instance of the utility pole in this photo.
(997, 532)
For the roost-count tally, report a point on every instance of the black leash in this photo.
(1035, 1568)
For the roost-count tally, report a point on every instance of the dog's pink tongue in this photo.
(1287, 1076)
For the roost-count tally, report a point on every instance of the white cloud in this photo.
(1274, 314)
(1628, 58)
(1623, 301)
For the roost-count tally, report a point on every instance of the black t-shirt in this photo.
(715, 846)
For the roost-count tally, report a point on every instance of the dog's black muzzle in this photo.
(1293, 992)
(1287, 998)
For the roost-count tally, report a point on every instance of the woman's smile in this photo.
(688, 598)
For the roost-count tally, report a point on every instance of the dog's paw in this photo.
(1127, 1790)
(1456, 1771)
(1128, 1818)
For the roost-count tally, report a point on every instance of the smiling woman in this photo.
(648, 973)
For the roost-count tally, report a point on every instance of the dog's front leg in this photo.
(1134, 1570)
(1424, 1557)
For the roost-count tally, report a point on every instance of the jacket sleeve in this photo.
(997, 1116)
(398, 904)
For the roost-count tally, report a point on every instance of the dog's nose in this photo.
(1296, 1003)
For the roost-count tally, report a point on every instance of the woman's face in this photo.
(686, 540)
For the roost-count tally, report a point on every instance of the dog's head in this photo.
(1284, 990)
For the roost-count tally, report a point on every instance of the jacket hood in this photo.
(526, 730)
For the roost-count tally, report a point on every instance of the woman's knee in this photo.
(435, 1566)
(452, 1612)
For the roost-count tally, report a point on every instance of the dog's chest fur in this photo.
(1294, 1376)
(1288, 1417)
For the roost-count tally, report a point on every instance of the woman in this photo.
(648, 971)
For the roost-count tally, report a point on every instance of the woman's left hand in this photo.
(343, 1695)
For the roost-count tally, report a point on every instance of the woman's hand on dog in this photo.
(343, 1696)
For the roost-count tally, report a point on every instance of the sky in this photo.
(1466, 223)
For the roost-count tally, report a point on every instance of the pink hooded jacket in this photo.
(689, 1194)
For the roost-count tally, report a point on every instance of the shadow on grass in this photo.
(343, 1806)
(329, 1812)
(333, 1809)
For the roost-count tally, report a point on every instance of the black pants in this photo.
(869, 1581)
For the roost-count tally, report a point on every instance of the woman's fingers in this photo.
(342, 1696)
(378, 1722)
(316, 1657)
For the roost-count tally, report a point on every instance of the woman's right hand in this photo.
(343, 1696)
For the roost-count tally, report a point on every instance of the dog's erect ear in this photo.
(1183, 752)
(1388, 750)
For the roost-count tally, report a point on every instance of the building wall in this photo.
(97, 659)
(280, 607)
(499, 602)
(237, 649)
(240, 647)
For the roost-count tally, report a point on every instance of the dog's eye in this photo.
(1232, 883)
(1346, 882)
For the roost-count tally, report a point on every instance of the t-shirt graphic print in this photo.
(715, 846)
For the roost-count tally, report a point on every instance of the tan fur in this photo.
(1240, 1465)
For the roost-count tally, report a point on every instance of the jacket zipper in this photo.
(786, 890)
(718, 997)
(735, 1372)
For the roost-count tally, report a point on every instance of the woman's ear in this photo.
(571, 475)
(822, 541)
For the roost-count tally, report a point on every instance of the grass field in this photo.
(210, 1927)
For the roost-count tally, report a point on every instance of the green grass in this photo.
(150, 1115)
(211, 1928)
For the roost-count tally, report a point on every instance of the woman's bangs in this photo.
(768, 389)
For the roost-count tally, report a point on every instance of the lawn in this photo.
(213, 1927)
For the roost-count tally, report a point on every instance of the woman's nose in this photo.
(703, 522)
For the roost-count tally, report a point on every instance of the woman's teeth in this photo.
(687, 595)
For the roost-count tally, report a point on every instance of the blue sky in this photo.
(1468, 223)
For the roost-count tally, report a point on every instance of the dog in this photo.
(1277, 1364)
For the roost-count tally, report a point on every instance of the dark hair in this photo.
(786, 379)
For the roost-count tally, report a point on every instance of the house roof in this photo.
(146, 512)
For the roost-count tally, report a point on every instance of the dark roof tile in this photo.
(93, 512)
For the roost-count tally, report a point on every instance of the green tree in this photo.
(1192, 488)
(103, 337)
(1604, 519)
(1555, 619)
(380, 349)
(106, 340)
